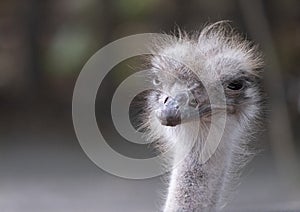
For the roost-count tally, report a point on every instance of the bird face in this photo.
(182, 97)
(179, 101)
(217, 61)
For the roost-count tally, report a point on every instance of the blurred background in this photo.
(44, 45)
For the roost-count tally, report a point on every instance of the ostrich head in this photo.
(219, 56)
(180, 109)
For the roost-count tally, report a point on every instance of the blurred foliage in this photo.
(134, 8)
(68, 50)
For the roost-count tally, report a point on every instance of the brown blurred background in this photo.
(44, 45)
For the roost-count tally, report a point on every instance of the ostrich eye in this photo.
(156, 81)
(236, 85)
(193, 102)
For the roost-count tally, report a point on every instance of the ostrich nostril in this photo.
(166, 99)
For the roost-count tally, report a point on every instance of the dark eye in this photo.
(236, 85)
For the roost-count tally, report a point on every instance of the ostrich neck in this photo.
(195, 186)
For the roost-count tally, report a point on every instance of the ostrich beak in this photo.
(170, 114)
(176, 111)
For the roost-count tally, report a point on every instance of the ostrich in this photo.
(218, 54)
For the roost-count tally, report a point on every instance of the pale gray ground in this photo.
(47, 171)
